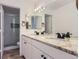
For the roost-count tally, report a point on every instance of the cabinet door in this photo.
(36, 53)
(23, 44)
(46, 56)
(27, 51)
(55, 53)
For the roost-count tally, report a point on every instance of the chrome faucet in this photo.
(68, 34)
(63, 35)
(58, 35)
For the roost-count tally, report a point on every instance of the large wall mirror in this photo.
(55, 16)
(36, 21)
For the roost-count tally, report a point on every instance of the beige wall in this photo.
(66, 19)
(25, 7)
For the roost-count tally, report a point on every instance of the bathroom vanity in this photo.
(40, 47)
(48, 46)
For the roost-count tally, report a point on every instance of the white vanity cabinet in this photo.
(26, 47)
(30, 51)
(38, 54)
(51, 51)
(23, 44)
(33, 49)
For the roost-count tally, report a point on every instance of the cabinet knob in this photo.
(45, 58)
(25, 42)
(42, 55)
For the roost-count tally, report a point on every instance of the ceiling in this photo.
(58, 4)
(51, 4)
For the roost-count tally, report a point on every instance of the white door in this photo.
(1, 29)
(11, 34)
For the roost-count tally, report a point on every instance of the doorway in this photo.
(11, 27)
(48, 24)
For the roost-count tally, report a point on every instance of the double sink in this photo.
(68, 43)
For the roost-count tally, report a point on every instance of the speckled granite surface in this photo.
(69, 47)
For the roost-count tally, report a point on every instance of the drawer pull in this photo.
(42, 55)
(25, 42)
(45, 58)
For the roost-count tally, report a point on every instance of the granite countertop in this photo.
(70, 46)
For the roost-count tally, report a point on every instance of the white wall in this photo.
(24, 9)
(24, 6)
(66, 19)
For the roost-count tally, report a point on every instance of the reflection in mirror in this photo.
(48, 24)
(36, 22)
(55, 16)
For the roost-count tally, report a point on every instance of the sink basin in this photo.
(71, 44)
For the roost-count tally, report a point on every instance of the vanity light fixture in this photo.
(42, 6)
(23, 23)
(39, 9)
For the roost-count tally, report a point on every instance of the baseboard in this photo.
(10, 47)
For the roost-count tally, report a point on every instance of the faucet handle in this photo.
(63, 35)
(42, 32)
(37, 33)
(68, 34)
(58, 35)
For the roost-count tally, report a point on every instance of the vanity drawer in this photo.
(55, 53)
(26, 39)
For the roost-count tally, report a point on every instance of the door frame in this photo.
(2, 30)
(2, 26)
